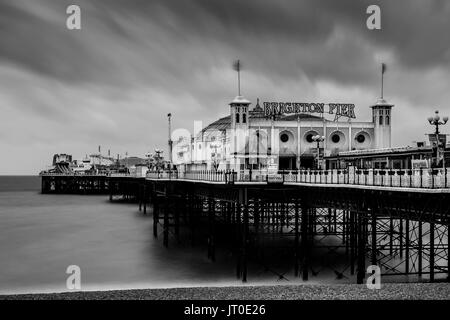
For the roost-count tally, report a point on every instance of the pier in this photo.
(395, 219)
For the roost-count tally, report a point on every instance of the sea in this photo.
(112, 243)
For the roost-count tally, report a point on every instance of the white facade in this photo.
(248, 139)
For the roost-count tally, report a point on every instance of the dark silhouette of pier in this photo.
(400, 225)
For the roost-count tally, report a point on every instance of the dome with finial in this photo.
(240, 100)
(382, 103)
(257, 108)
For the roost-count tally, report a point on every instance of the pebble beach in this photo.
(392, 291)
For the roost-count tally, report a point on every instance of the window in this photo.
(237, 117)
(381, 120)
(309, 138)
(361, 138)
(387, 120)
(335, 138)
(284, 137)
(244, 118)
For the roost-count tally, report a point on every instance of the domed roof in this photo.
(240, 99)
(382, 103)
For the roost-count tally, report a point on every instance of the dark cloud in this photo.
(134, 61)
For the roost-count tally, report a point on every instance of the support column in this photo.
(166, 222)
(361, 248)
(245, 239)
(352, 242)
(296, 239)
(419, 249)
(145, 198)
(407, 246)
(140, 197)
(432, 251)
(238, 239)
(110, 187)
(374, 238)
(304, 244)
(155, 214)
(400, 236)
(211, 245)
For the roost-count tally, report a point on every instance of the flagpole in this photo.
(239, 77)
(239, 82)
(382, 76)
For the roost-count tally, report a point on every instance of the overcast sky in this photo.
(113, 82)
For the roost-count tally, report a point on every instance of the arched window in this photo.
(381, 119)
(387, 120)
(244, 118)
(237, 117)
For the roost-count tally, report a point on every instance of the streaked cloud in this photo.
(113, 82)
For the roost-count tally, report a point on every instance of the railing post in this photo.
(432, 178)
(421, 177)
(445, 177)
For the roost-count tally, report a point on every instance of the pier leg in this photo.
(110, 187)
(419, 249)
(407, 246)
(166, 222)
(361, 248)
(296, 240)
(211, 213)
(176, 215)
(400, 236)
(245, 241)
(391, 234)
(145, 198)
(155, 215)
(304, 244)
(140, 197)
(432, 252)
(238, 239)
(352, 242)
(374, 238)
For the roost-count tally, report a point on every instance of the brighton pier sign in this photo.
(279, 108)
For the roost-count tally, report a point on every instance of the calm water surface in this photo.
(112, 243)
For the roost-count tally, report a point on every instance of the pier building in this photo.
(282, 136)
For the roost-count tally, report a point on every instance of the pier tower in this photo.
(239, 111)
(381, 115)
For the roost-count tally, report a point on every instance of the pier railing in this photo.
(410, 178)
(75, 174)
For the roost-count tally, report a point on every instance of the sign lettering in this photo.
(280, 108)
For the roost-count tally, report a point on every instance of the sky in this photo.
(113, 82)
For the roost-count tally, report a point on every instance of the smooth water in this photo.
(112, 243)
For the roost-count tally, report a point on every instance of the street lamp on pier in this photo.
(437, 140)
(436, 121)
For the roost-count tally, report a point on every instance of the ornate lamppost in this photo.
(318, 139)
(437, 140)
(436, 121)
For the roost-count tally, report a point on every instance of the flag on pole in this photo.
(383, 70)
(237, 67)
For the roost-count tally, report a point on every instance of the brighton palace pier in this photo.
(235, 188)
(284, 136)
